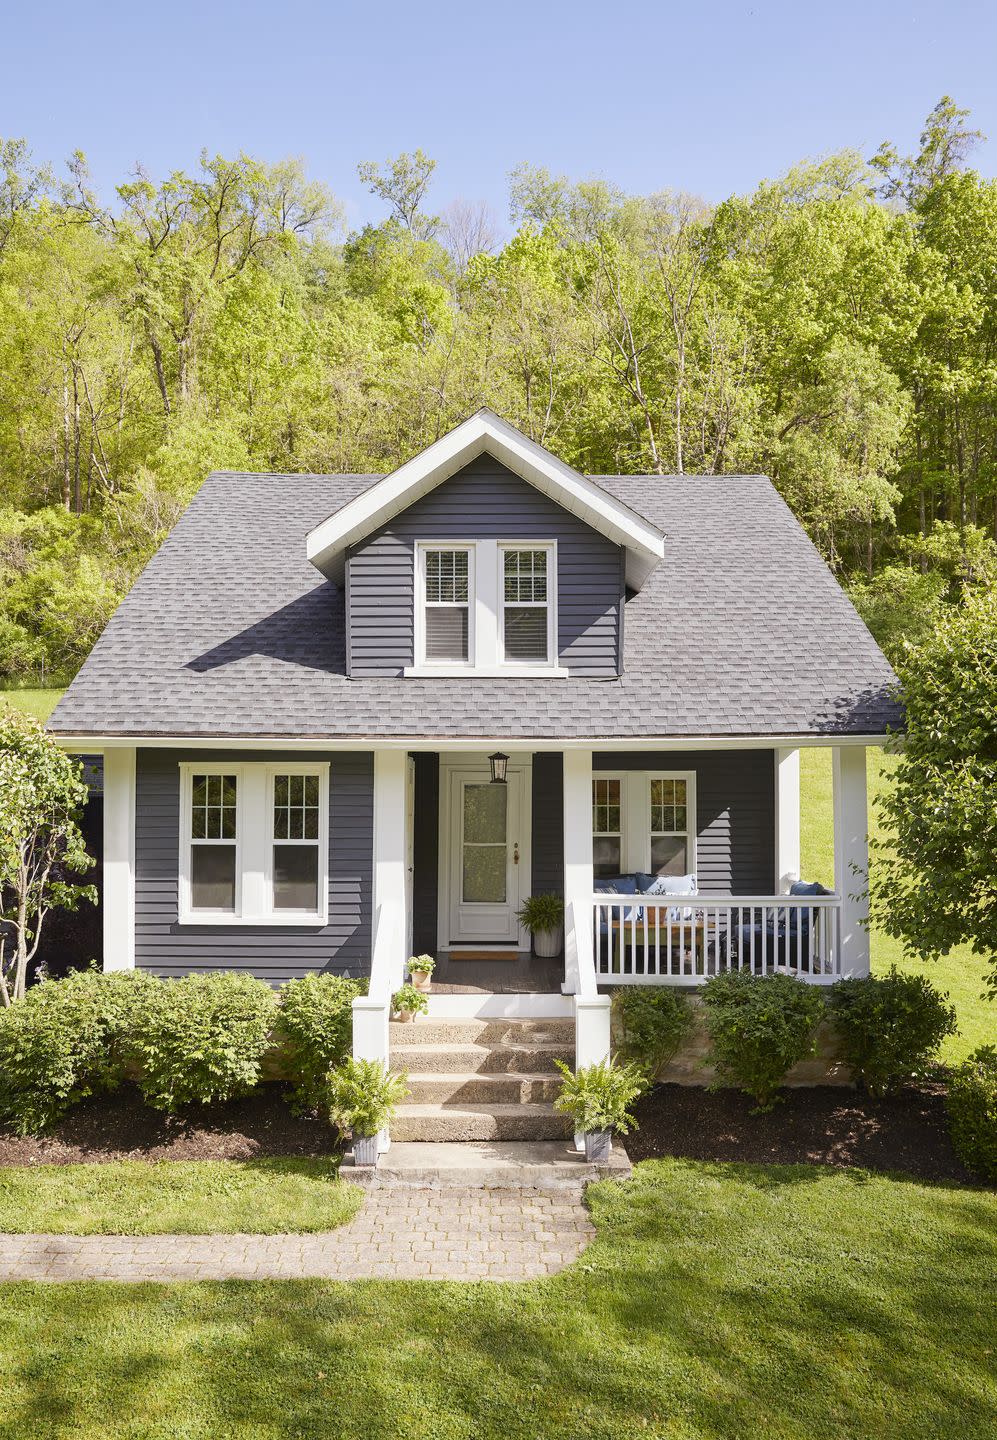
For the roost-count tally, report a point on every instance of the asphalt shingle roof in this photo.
(740, 631)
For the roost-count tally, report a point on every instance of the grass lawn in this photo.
(961, 974)
(39, 703)
(176, 1197)
(718, 1302)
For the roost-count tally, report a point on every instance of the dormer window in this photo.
(448, 588)
(486, 607)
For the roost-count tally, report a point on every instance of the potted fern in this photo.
(363, 1095)
(543, 916)
(421, 968)
(407, 1003)
(598, 1098)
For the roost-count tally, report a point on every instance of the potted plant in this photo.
(598, 1098)
(421, 968)
(362, 1099)
(407, 1003)
(543, 916)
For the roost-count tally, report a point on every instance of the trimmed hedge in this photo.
(760, 1026)
(63, 1041)
(890, 1027)
(315, 1026)
(972, 1107)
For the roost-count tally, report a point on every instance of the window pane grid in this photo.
(526, 577)
(213, 808)
(524, 600)
(446, 577)
(296, 808)
(295, 850)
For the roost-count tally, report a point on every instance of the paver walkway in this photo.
(453, 1234)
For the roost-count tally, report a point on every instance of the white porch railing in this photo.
(652, 940)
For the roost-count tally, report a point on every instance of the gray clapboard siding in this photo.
(275, 953)
(735, 813)
(486, 501)
(548, 824)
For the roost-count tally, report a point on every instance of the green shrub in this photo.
(890, 1027)
(759, 1027)
(598, 1097)
(972, 1107)
(63, 1041)
(315, 1026)
(202, 1039)
(363, 1096)
(656, 1020)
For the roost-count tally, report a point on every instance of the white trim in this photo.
(104, 743)
(390, 847)
(578, 880)
(787, 818)
(118, 886)
(254, 842)
(851, 859)
(478, 764)
(635, 820)
(328, 543)
(454, 667)
(532, 667)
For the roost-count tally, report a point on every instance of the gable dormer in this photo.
(485, 555)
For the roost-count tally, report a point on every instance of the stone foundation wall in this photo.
(687, 1068)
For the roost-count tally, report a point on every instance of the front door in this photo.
(486, 856)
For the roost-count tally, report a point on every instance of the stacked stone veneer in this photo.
(688, 1067)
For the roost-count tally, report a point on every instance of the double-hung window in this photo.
(254, 844)
(607, 826)
(669, 828)
(526, 612)
(448, 584)
(644, 822)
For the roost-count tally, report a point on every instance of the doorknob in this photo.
(515, 853)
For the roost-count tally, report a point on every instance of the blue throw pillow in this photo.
(617, 885)
(808, 887)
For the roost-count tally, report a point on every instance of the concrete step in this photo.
(456, 1088)
(502, 1165)
(427, 1031)
(479, 1059)
(479, 1122)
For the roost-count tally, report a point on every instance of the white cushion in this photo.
(675, 885)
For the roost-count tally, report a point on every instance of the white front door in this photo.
(488, 855)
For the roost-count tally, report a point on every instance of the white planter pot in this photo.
(548, 944)
(598, 1144)
(365, 1149)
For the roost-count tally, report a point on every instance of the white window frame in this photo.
(254, 845)
(621, 776)
(635, 819)
(421, 604)
(549, 548)
(486, 612)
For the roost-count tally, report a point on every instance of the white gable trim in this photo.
(643, 542)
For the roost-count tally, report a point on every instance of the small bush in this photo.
(890, 1027)
(760, 1026)
(972, 1107)
(202, 1039)
(598, 1097)
(655, 1020)
(63, 1041)
(315, 1024)
(363, 1096)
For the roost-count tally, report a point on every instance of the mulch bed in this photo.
(825, 1125)
(120, 1126)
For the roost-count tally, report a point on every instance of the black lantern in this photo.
(499, 764)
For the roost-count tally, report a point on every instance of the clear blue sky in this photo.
(709, 98)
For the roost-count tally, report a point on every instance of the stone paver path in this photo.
(451, 1234)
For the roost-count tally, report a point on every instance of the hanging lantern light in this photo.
(499, 764)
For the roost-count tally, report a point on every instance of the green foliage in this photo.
(315, 1024)
(544, 911)
(972, 1107)
(599, 1097)
(900, 606)
(890, 1026)
(759, 1027)
(363, 1096)
(411, 999)
(65, 1040)
(421, 965)
(201, 1039)
(934, 864)
(42, 794)
(656, 1020)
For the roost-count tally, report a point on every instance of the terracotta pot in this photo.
(365, 1149)
(405, 1016)
(548, 944)
(422, 979)
(598, 1144)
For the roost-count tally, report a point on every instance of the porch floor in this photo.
(526, 975)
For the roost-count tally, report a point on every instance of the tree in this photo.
(935, 870)
(402, 185)
(945, 142)
(41, 847)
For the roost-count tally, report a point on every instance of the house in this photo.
(308, 702)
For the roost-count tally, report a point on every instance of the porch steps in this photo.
(481, 1079)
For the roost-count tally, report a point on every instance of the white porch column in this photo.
(390, 881)
(578, 879)
(787, 819)
(118, 897)
(851, 857)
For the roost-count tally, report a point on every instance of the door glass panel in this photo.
(484, 859)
